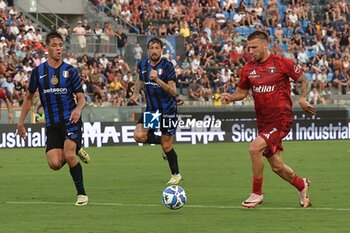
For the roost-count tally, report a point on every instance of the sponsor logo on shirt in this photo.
(154, 84)
(253, 74)
(263, 89)
(56, 91)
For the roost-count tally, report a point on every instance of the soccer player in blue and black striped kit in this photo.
(157, 78)
(62, 97)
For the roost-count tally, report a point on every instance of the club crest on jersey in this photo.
(65, 74)
(296, 69)
(160, 71)
(272, 70)
(54, 80)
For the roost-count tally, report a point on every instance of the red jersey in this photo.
(270, 85)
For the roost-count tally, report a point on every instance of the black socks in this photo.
(172, 160)
(77, 175)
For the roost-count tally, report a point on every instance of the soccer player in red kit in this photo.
(268, 78)
(8, 105)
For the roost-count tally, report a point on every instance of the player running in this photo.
(62, 97)
(267, 76)
(157, 77)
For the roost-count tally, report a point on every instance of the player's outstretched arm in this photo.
(27, 104)
(9, 109)
(138, 86)
(306, 106)
(239, 94)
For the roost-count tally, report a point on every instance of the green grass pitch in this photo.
(125, 183)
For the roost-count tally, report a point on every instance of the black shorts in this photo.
(57, 134)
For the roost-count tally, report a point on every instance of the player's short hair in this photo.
(51, 35)
(258, 34)
(155, 40)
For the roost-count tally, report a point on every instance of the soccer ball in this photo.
(174, 197)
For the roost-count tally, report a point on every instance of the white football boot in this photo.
(253, 200)
(82, 200)
(175, 179)
(304, 198)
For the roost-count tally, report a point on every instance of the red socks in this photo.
(298, 182)
(257, 186)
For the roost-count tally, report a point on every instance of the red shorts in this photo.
(273, 135)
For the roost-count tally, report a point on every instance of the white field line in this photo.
(262, 208)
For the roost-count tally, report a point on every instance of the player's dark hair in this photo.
(155, 40)
(258, 34)
(51, 35)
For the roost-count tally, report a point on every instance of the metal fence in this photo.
(172, 44)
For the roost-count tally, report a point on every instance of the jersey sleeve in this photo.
(76, 81)
(140, 68)
(170, 72)
(291, 69)
(33, 81)
(244, 81)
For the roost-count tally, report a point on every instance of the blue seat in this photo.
(226, 14)
(271, 30)
(330, 77)
(251, 30)
(284, 46)
(311, 53)
(245, 31)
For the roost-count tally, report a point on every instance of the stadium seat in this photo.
(330, 77)
(232, 14)
(311, 53)
(245, 31)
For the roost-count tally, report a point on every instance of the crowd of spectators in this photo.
(214, 33)
(316, 36)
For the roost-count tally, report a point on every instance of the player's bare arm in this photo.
(27, 104)
(76, 113)
(9, 109)
(169, 87)
(306, 106)
(138, 86)
(239, 94)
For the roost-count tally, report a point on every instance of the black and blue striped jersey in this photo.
(156, 97)
(56, 88)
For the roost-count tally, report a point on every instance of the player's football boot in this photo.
(304, 198)
(253, 200)
(82, 200)
(84, 156)
(175, 179)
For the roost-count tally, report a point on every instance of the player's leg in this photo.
(143, 135)
(73, 136)
(140, 133)
(167, 146)
(287, 173)
(55, 159)
(280, 168)
(54, 147)
(256, 149)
